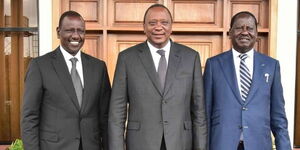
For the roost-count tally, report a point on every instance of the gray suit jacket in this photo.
(52, 119)
(177, 114)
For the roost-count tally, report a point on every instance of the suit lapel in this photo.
(87, 79)
(61, 69)
(147, 61)
(258, 77)
(174, 60)
(227, 65)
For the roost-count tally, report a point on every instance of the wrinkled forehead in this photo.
(244, 19)
(158, 12)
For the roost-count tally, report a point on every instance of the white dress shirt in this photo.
(68, 56)
(249, 63)
(156, 56)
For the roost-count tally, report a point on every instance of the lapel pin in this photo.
(267, 77)
(262, 65)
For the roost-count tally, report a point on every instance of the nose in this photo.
(245, 29)
(158, 26)
(75, 35)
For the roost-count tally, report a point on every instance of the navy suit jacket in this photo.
(262, 112)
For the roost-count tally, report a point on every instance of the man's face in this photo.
(71, 34)
(243, 33)
(158, 26)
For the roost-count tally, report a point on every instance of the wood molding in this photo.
(4, 111)
(56, 11)
(15, 69)
(273, 28)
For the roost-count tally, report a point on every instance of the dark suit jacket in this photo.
(262, 112)
(178, 113)
(52, 119)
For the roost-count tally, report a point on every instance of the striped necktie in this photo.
(245, 77)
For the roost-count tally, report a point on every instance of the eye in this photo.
(165, 23)
(238, 28)
(250, 29)
(152, 23)
(80, 31)
(69, 30)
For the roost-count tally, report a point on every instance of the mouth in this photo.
(74, 43)
(244, 39)
(158, 35)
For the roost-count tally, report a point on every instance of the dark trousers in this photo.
(80, 145)
(163, 144)
(241, 145)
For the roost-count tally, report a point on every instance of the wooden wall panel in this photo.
(93, 46)
(262, 44)
(258, 7)
(132, 17)
(134, 12)
(207, 45)
(191, 14)
(91, 11)
(202, 13)
(119, 42)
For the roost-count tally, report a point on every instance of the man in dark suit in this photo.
(161, 83)
(66, 95)
(244, 95)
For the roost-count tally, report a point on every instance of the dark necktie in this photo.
(162, 67)
(76, 81)
(245, 77)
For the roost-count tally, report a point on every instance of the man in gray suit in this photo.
(161, 83)
(66, 95)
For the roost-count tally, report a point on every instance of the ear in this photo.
(230, 33)
(144, 27)
(57, 32)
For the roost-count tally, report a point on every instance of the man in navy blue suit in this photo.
(244, 97)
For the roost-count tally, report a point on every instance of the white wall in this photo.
(45, 26)
(286, 54)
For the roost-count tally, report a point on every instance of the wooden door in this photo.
(114, 25)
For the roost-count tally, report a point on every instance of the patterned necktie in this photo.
(245, 77)
(76, 81)
(162, 67)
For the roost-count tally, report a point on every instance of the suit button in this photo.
(165, 122)
(240, 127)
(244, 108)
(164, 102)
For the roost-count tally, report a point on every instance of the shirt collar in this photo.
(166, 48)
(68, 56)
(237, 54)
